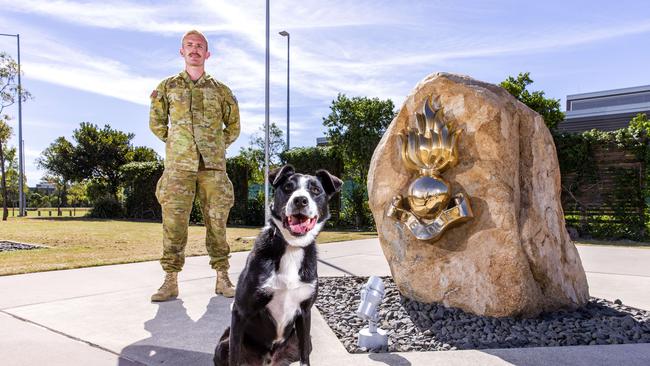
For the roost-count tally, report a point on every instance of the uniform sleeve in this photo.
(231, 118)
(158, 114)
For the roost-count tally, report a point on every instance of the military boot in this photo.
(169, 288)
(224, 286)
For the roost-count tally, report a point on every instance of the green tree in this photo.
(9, 92)
(354, 128)
(143, 154)
(77, 194)
(59, 160)
(639, 126)
(99, 154)
(9, 82)
(5, 133)
(277, 143)
(60, 196)
(11, 175)
(548, 108)
(255, 151)
(255, 157)
(34, 199)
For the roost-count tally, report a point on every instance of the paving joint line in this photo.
(91, 295)
(618, 274)
(91, 344)
(336, 267)
(354, 255)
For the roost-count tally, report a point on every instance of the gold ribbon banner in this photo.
(431, 229)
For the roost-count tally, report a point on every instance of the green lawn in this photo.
(81, 242)
(614, 243)
(76, 242)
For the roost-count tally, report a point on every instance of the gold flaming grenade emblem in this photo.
(429, 149)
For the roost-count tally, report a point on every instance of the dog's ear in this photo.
(277, 176)
(330, 183)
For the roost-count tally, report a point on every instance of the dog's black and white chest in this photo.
(289, 287)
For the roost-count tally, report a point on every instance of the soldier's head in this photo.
(194, 48)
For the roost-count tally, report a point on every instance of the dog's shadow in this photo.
(176, 339)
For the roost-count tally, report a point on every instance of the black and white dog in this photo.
(271, 315)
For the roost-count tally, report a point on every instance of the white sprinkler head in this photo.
(372, 294)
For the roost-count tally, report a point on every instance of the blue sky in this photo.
(98, 61)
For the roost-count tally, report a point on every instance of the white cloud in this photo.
(366, 48)
(50, 125)
(162, 18)
(31, 153)
(115, 84)
(336, 56)
(54, 60)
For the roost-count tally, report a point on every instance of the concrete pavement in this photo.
(102, 315)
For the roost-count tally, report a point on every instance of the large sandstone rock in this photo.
(514, 258)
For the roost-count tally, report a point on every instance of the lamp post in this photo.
(267, 213)
(21, 198)
(286, 34)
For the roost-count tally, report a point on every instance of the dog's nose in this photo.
(300, 201)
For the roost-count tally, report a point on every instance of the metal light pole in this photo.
(286, 34)
(21, 197)
(267, 213)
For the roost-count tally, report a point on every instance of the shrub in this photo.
(139, 180)
(255, 213)
(107, 208)
(240, 170)
(355, 210)
(196, 216)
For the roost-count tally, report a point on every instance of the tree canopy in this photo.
(95, 156)
(254, 153)
(59, 160)
(354, 128)
(548, 108)
(8, 83)
(143, 154)
(9, 94)
(100, 153)
(277, 143)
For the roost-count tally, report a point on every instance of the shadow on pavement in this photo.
(627, 354)
(176, 339)
(390, 359)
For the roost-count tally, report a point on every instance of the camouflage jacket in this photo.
(194, 119)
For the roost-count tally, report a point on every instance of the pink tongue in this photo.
(301, 227)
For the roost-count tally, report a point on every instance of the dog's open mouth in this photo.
(300, 224)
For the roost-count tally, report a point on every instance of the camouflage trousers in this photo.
(175, 192)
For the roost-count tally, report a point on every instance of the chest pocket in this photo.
(213, 112)
(179, 105)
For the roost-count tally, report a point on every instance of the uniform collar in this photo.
(186, 76)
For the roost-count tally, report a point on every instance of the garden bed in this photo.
(414, 326)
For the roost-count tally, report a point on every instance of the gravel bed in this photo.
(414, 326)
(8, 246)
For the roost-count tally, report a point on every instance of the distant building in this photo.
(606, 110)
(44, 187)
(322, 141)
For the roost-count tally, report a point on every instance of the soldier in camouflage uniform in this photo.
(198, 118)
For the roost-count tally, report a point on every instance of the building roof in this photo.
(605, 110)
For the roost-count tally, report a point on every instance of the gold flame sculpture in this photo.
(430, 148)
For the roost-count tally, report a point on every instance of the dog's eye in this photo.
(315, 190)
(288, 187)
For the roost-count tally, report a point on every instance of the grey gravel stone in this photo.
(414, 326)
(9, 246)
